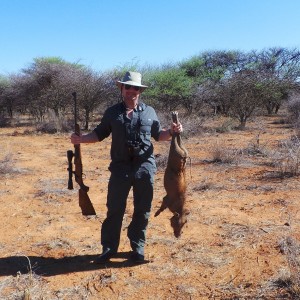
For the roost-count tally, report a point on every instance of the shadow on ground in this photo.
(49, 266)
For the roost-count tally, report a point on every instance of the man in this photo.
(132, 124)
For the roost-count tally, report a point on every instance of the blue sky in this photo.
(104, 34)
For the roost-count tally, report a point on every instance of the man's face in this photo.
(130, 95)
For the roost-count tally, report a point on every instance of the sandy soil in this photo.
(238, 242)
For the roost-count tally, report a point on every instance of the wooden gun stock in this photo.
(84, 199)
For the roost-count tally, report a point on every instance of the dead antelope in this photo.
(175, 183)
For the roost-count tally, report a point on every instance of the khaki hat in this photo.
(132, 78)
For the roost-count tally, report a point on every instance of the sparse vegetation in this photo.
(290, 281)
(225, 155)
(229, 248)
(234, 84)
(286, 158)
(256, 148)
(7, 164)
(226, 126)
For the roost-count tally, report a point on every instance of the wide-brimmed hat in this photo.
(132, 78)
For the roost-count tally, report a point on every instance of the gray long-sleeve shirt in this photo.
(138, 130)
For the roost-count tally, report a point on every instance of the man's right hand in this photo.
(75, 139)
(84, 138)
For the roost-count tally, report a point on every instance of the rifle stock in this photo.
(84, 199)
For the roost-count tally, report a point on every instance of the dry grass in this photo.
(226, 126)
(256, 147)
(290, 280)
(228, 250)
(23, 286)
(285, 159)
(225, 155)
(7, 164)
(54, 124)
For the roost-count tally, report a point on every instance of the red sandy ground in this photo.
(231, 248)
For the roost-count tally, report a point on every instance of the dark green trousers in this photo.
(118, 190)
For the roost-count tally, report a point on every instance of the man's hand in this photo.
(75, 139)
(84, 138)
(176, 127)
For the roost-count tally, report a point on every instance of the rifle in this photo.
(84, 199)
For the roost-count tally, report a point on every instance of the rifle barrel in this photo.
(84, 200)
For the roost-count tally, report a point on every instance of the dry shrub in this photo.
(192, 124)
(7, 165)
(225, 155)
(286, 158)
(256, 148)
(226, 126)
(291, 281)
(54, 124)
(23, 286)
(31, 286)
(293, 107)
(203, 186)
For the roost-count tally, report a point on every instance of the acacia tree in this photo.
(273, 93)
(53, 78)
(213, 65)
(244, 91)
(279, 69)
(27, 94)
(93, 89)
(48, 84)
(169, 89)
(294, 108)
(209, 71)
(5, 97)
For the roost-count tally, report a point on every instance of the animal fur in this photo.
(175, 183)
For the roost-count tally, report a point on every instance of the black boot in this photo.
(105, 256)
(137, 257)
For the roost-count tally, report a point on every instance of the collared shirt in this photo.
(143, 125)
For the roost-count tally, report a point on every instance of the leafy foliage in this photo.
(169, 89)
(232, 83)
